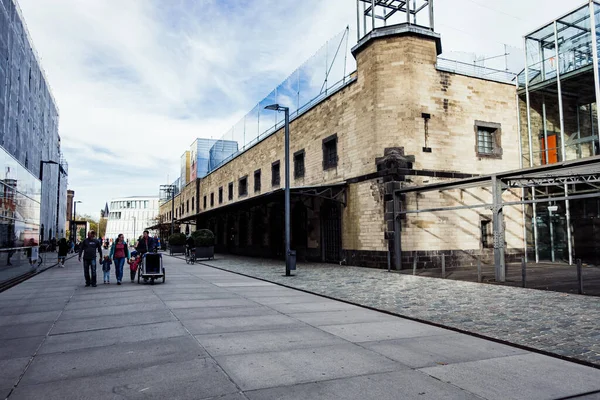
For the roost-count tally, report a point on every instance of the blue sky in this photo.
(137, 81)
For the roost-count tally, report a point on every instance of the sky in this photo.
(137, 81)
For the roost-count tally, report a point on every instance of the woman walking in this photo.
(119, 252)
(63, 249)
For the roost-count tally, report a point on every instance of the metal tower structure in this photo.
(371, 14)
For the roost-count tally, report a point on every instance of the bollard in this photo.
(479, 269)
(443, 266)
(415, 265)
(523, 271)
(579, 277)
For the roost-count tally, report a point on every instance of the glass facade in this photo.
(208, 154)
(558, 115)
(19, 216)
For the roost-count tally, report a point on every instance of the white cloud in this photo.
(137, 81)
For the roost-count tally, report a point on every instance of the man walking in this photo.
(89, 247)
(145, 244)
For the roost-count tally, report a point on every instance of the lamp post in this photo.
(134, 221)
(286, 110)
(75, 219)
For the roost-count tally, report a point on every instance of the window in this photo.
(192, 204)
(204, 201)
(487, 137)
(230, 191)
(145, 203)
(187, 206)
(243, 186)
(330, 157)
(299, 164)
(487, 237)
(275, 175)
(212, 199)
(257, 181)
(221, 195)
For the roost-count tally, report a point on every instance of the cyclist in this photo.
(190, 247)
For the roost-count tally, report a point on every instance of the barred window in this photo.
(299, 164)
(275, 174)
(257, 181)
(230, 191)
(330, 156)
(488, 142)
(221, 195)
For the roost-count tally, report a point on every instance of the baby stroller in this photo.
(151, 268)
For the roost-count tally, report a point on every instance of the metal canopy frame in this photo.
(394, 11)
(582, 171)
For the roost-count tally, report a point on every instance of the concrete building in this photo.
(29, 118)
(402, 119)
(130, 216)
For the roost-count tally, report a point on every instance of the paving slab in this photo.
(527, 376)
(208, 303)
(384, 330)
(222, 312)
(111, 302)
(29, 318)
(263, 370)
(193, 379)
(33, 308)
(121, 309)
(287, 299)
(198, 296)
(342, 317)
(323, 305)
(111, 321)
(240, 324)
(20, 347)
(109, 359)
(276, 291)
(11, 371)
(110, 337)
(25, 330)
(419, 352)
(242, 284)
(405, 385)
(267, 340)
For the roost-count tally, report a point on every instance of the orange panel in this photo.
(552, 150)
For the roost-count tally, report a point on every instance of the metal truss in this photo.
(533, 182)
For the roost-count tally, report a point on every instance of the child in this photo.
(106, 269)
(133, 266)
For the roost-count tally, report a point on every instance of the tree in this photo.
(92, 221)
(102, 227)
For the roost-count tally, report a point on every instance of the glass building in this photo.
(19, 216)
(558, 95)
(209, 154)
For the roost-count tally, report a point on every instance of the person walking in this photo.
(119, 252)
(63, 249)
(145, 244)
(88, 248)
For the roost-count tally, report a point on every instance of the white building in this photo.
(130, 216)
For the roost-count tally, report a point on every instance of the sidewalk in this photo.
(559, 323)
(211, 334)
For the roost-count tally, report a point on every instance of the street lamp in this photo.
(74, 234)
(286, 110)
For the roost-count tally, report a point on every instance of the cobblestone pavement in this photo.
(560, 323)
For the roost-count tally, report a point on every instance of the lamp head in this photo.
(274, 107)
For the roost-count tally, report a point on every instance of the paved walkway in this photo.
(211, 334)
(563, 324)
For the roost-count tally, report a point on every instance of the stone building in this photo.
(400, 120)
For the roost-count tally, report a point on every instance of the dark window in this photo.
(187, 206)
(230, 191)
(299, 164)
(243, 186)
(204, 202)
(212, 199)
(275, 175)
(221, 195)
(330, 157)
(257, 180)
(192, 204)
(487, 237)
(487, 139)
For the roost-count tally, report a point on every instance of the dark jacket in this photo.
(63, 248)
(143, 247)
(89, 247)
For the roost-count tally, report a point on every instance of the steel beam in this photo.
(498, 225)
